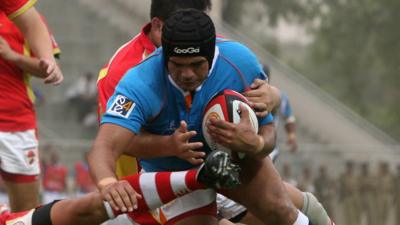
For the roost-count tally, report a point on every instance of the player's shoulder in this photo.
(238, 56)
(131, 50)
(149, 71)
(228, 46)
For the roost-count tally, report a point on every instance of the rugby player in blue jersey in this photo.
(152, 97)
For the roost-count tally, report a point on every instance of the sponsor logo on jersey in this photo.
(190, 50)
(122, 106)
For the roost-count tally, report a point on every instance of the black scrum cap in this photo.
(189, 32)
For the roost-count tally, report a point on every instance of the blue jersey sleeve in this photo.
(266, 120)
(250, 67)
(134, 102)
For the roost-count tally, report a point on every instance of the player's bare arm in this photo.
(110, 143)
(242, 137)
(39, 40)
(263, 97)
(27, 64)
(176, 144)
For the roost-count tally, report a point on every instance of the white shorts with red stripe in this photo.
(199, 202)
(19, 153)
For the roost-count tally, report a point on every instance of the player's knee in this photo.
(314, 210)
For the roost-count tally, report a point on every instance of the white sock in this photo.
(301, 219)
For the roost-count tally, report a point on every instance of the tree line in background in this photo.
(354, 53)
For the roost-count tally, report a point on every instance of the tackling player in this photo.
(217, 171)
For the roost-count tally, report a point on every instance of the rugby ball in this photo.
(225, 106)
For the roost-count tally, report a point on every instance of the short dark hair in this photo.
(163, 8)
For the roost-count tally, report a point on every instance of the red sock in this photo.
(160, 188)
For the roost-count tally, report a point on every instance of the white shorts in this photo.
(200, 202)
(19, 153)
(228, 208)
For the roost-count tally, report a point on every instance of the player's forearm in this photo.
(102, 163)
(36, 33)
(267, 143)
(110, 143)
(29, 65)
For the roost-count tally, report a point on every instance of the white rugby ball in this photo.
(225, 106)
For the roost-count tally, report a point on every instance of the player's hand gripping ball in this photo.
(225, 106)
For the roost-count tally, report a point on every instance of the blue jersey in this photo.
(147, 97)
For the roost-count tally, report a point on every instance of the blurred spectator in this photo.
(384, 193)
(367, 188)
(349, 195)
(82, 95)
(324, 189)
(306, 182)
(54, 178)
(287, 174)
(83, 182)
(397, 194)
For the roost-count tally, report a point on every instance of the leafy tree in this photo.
(355, 53)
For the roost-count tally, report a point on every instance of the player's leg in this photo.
(264, 194)
(309, 205)
(232, 211)
(20, 168)
(90, 209)
(304, 201)
(22, 196)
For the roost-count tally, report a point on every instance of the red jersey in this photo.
(127, 56)
(55, 178)
(14, 8)
(82, 178)
(16, 101)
